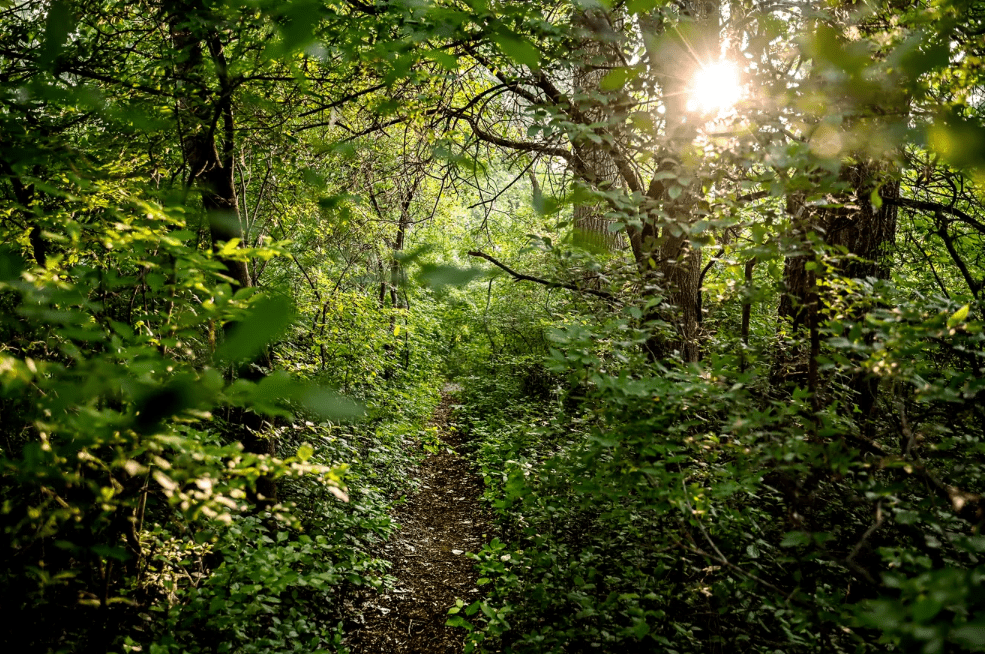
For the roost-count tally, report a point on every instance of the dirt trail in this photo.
(439, 524)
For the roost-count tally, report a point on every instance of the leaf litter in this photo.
(439, 524)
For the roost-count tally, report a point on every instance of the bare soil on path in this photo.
(439, 524)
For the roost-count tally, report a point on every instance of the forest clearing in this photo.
(492, 326)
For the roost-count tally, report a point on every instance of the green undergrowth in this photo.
(650, 506)
(281, 583)
(129, 512)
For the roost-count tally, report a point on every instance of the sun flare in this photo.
(715, 89)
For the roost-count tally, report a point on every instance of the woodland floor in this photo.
(439, 524)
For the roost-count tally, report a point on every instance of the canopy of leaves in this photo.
(723, 369)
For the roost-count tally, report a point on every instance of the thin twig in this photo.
(858, 546)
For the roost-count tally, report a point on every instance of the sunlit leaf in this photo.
(958, 316)
(616, 78)
(958, 140)
(305, 452)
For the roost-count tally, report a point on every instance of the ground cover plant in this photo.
(693, 289)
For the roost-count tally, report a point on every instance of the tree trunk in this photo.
(681, 269)
(862, 229)
(866, 232)
(403, 224)
(679, 263)
(211, 169)
(591, 228)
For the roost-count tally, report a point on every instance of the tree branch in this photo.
(935, 207)
(965, 505)
(973, 284)
(520, 146)
(520, 277)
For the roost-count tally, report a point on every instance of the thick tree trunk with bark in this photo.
(681, 268)
(210, 162)
(865, 231)
(591, 227)
(679, 264)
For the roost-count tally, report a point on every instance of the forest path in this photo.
(439, 524)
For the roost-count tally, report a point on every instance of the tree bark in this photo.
(591, 228)
(211, 168)
(866, 232)
(403, 224)
(679, 264)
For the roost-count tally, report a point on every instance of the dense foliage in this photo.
(723, 365)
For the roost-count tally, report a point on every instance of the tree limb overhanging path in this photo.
(438, 525)
(521, 277)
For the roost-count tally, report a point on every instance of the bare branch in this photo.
(935, 207)
(520, 277)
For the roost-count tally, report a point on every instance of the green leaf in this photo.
(270, 391)
(907, 517)
(330, 405)
(829, 47)
(616, 78)
(297, 25)
(267, 318)
(312, 178)
(795, 538)
(459, 621)
(229, 247)
(111, 552)
(438, 276)
(958, 317)
(518, 49)
(58, 25)
(959, 141)
(971, 635)
(159, 404)
(305, 452)
(875, 199)
(915, 56)
(12, 264)
(444, 59)
(642, 6)
(926, 609)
